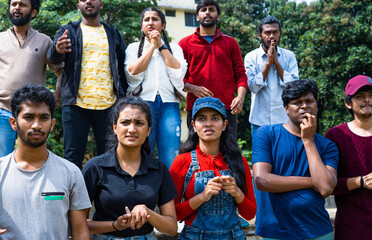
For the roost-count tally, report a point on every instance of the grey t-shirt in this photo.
(34, 205)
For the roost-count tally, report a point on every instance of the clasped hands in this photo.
(155, 39)
(134, 219)
(227, 183)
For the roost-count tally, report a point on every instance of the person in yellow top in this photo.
(93, 79)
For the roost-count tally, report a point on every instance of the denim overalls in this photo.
(216, 219)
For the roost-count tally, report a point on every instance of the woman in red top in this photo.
(212, 178)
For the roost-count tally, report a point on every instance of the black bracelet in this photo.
(113, 226)
(361, 183)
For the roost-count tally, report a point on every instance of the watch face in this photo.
(163, 47)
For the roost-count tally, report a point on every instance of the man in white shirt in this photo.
(269, 69)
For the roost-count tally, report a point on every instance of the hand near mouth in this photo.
(308, 127)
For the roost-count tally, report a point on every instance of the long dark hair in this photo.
(230, 152)
(161, 15)
(119, 106)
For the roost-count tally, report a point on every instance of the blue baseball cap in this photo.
(209, 102)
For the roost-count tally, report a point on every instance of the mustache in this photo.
(36, 131)
(17, 11)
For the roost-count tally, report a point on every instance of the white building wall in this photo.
(176, 26)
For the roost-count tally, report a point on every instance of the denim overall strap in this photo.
(193, 166)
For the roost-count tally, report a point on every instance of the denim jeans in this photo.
(76, 123)
(166, 129)
(7, 134)
(150, 236)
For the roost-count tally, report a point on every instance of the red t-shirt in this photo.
(178, 171)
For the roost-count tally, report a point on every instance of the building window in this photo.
(170, 13)
(190, 20)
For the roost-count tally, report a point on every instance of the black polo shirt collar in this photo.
(110, 160)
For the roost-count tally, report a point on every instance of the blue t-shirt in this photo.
(208, 38)
(296, 214)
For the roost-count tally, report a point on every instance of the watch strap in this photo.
(163, 47)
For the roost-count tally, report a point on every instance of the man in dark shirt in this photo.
(353, 193)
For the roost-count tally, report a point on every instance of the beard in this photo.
(20, 21)
(23, 136)
(363, 114)
(268, 46)
(88, 15)
(208, 24)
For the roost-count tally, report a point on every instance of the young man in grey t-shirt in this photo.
(39, 190)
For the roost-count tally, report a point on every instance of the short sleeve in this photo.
(91, 177)
(261, 147)
(79, 198)
(330, 154)
(167, 189)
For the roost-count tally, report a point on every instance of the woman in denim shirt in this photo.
(212, 178)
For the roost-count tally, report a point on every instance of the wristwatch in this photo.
(163, 47)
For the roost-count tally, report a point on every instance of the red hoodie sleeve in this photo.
(240, 76)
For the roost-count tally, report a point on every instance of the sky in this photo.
(307, 1)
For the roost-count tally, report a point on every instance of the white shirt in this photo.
(266, 96)
(157, 77)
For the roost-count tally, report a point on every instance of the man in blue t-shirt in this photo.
(294, 170)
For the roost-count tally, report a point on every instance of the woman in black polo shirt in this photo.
(126, 184)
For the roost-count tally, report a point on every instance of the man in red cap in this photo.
(353, 193)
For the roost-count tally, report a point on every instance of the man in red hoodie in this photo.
(215, 64)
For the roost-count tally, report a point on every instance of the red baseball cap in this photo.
(356, 83)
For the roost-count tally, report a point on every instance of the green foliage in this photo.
(332, 41)
(247, 153)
